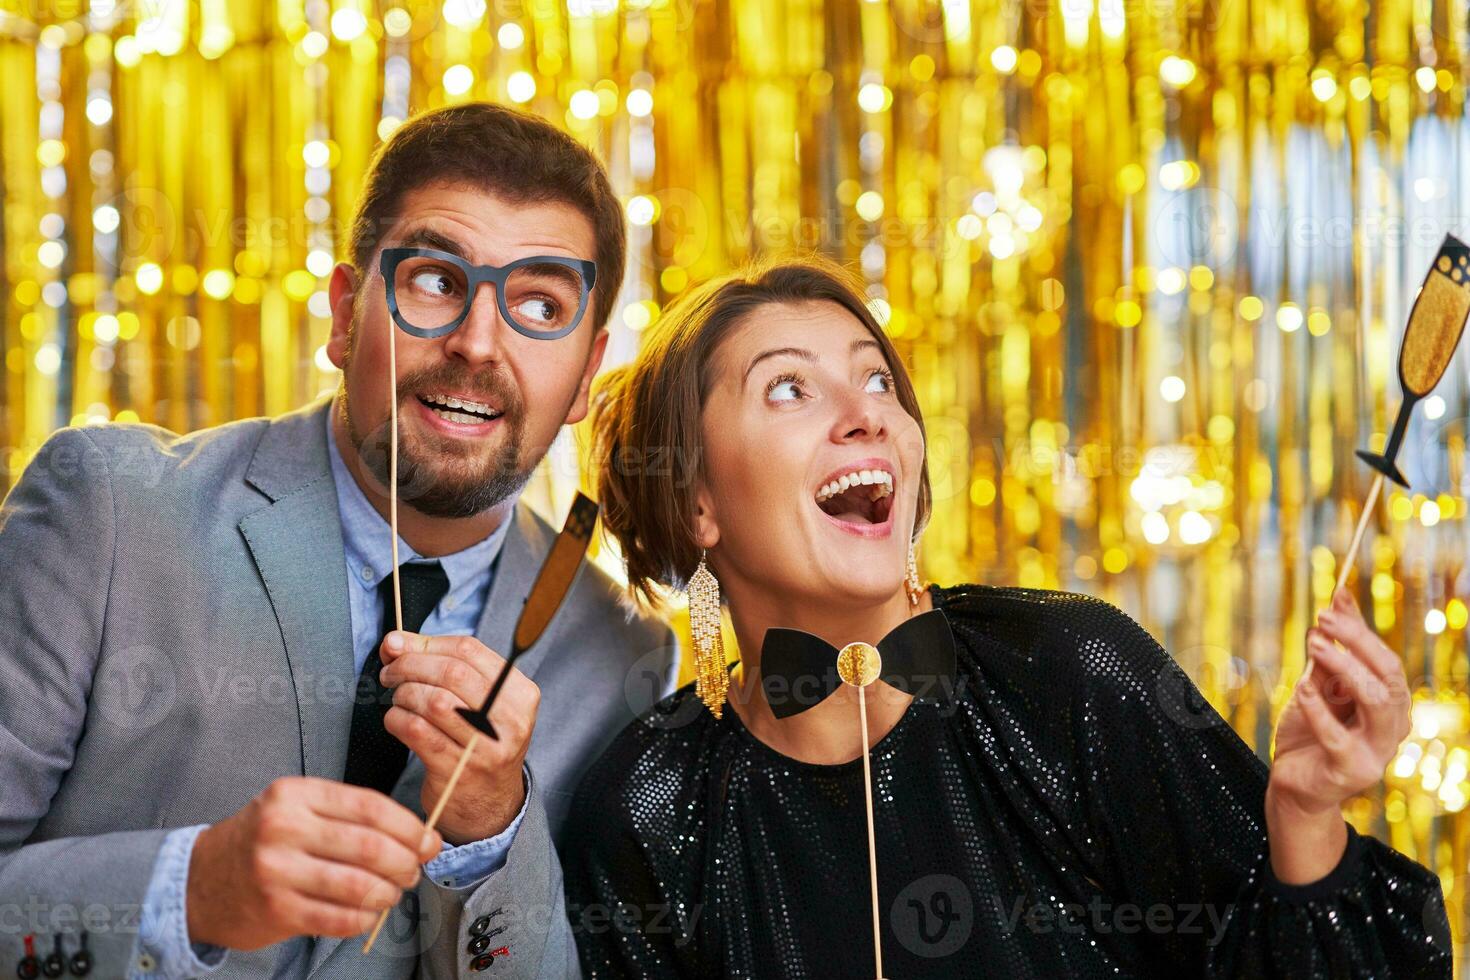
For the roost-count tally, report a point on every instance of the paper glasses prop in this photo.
(917, 654)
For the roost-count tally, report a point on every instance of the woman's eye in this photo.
(878, 382)
(784, 391)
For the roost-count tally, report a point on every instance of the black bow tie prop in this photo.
(800, 671)
(915, 656)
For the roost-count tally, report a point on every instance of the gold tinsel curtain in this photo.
(1149, 262)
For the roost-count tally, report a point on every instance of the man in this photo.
(216, 751)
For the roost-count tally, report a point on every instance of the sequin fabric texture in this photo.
(1071, 808)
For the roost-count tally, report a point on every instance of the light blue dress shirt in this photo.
(164, 949)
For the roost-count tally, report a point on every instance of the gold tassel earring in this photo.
(712, 681)
(911, 583)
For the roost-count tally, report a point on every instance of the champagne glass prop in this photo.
(1430, 338)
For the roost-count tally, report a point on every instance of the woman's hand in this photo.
(1340, 730)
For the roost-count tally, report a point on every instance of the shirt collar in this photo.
(365, 534)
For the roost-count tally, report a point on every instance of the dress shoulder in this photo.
(1080, 636)
(651, 775)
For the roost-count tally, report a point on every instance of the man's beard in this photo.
(430, 490)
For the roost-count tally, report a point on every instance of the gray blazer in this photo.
(176, 636)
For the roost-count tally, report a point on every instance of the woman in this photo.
(1068, 809)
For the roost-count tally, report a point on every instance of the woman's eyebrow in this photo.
(866, 343)
(799, 352)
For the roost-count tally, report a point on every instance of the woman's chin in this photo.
(855, 592)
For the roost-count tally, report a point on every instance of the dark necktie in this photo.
(375, 758)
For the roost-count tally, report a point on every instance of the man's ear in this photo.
(578, 411)
(342, 291)
(706, 528)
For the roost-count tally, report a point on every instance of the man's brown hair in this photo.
(509, 153)
(646, 421)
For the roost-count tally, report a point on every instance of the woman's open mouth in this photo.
(859, 500)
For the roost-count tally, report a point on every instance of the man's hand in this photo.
(431, 677)
(307, 856)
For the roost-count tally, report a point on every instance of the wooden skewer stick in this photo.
(397, 589)
(464, 758)
(872, 846)
(393, 467)
(1352, 552)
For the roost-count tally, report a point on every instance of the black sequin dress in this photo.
(1075, 810)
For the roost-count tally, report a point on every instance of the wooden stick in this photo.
(1350, 558)
(464, 758)
(872, 844)
(393, 466)
(397, 589)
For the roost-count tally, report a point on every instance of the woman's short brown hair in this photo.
(646, 419)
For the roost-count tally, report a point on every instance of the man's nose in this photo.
(480, 338)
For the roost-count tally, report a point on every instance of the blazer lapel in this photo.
(296, 542)
(526, 546)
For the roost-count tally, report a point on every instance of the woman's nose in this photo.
(857, 419)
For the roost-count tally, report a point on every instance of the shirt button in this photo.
(450, 603)
(367, 573)
(147, 963)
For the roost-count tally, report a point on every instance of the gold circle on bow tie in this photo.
(859, 664)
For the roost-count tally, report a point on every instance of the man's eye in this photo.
(434, 283)
(538, 309)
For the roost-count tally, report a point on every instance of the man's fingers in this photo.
(367, 848)
(463, 680)
(440, 752)
(305, 915)
(513, 715)
(436, 705)
(344, 885)
(465, 667)
(355, 804)
(467, 648)
(422, 737)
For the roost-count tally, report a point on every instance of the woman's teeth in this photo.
(881, 482)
